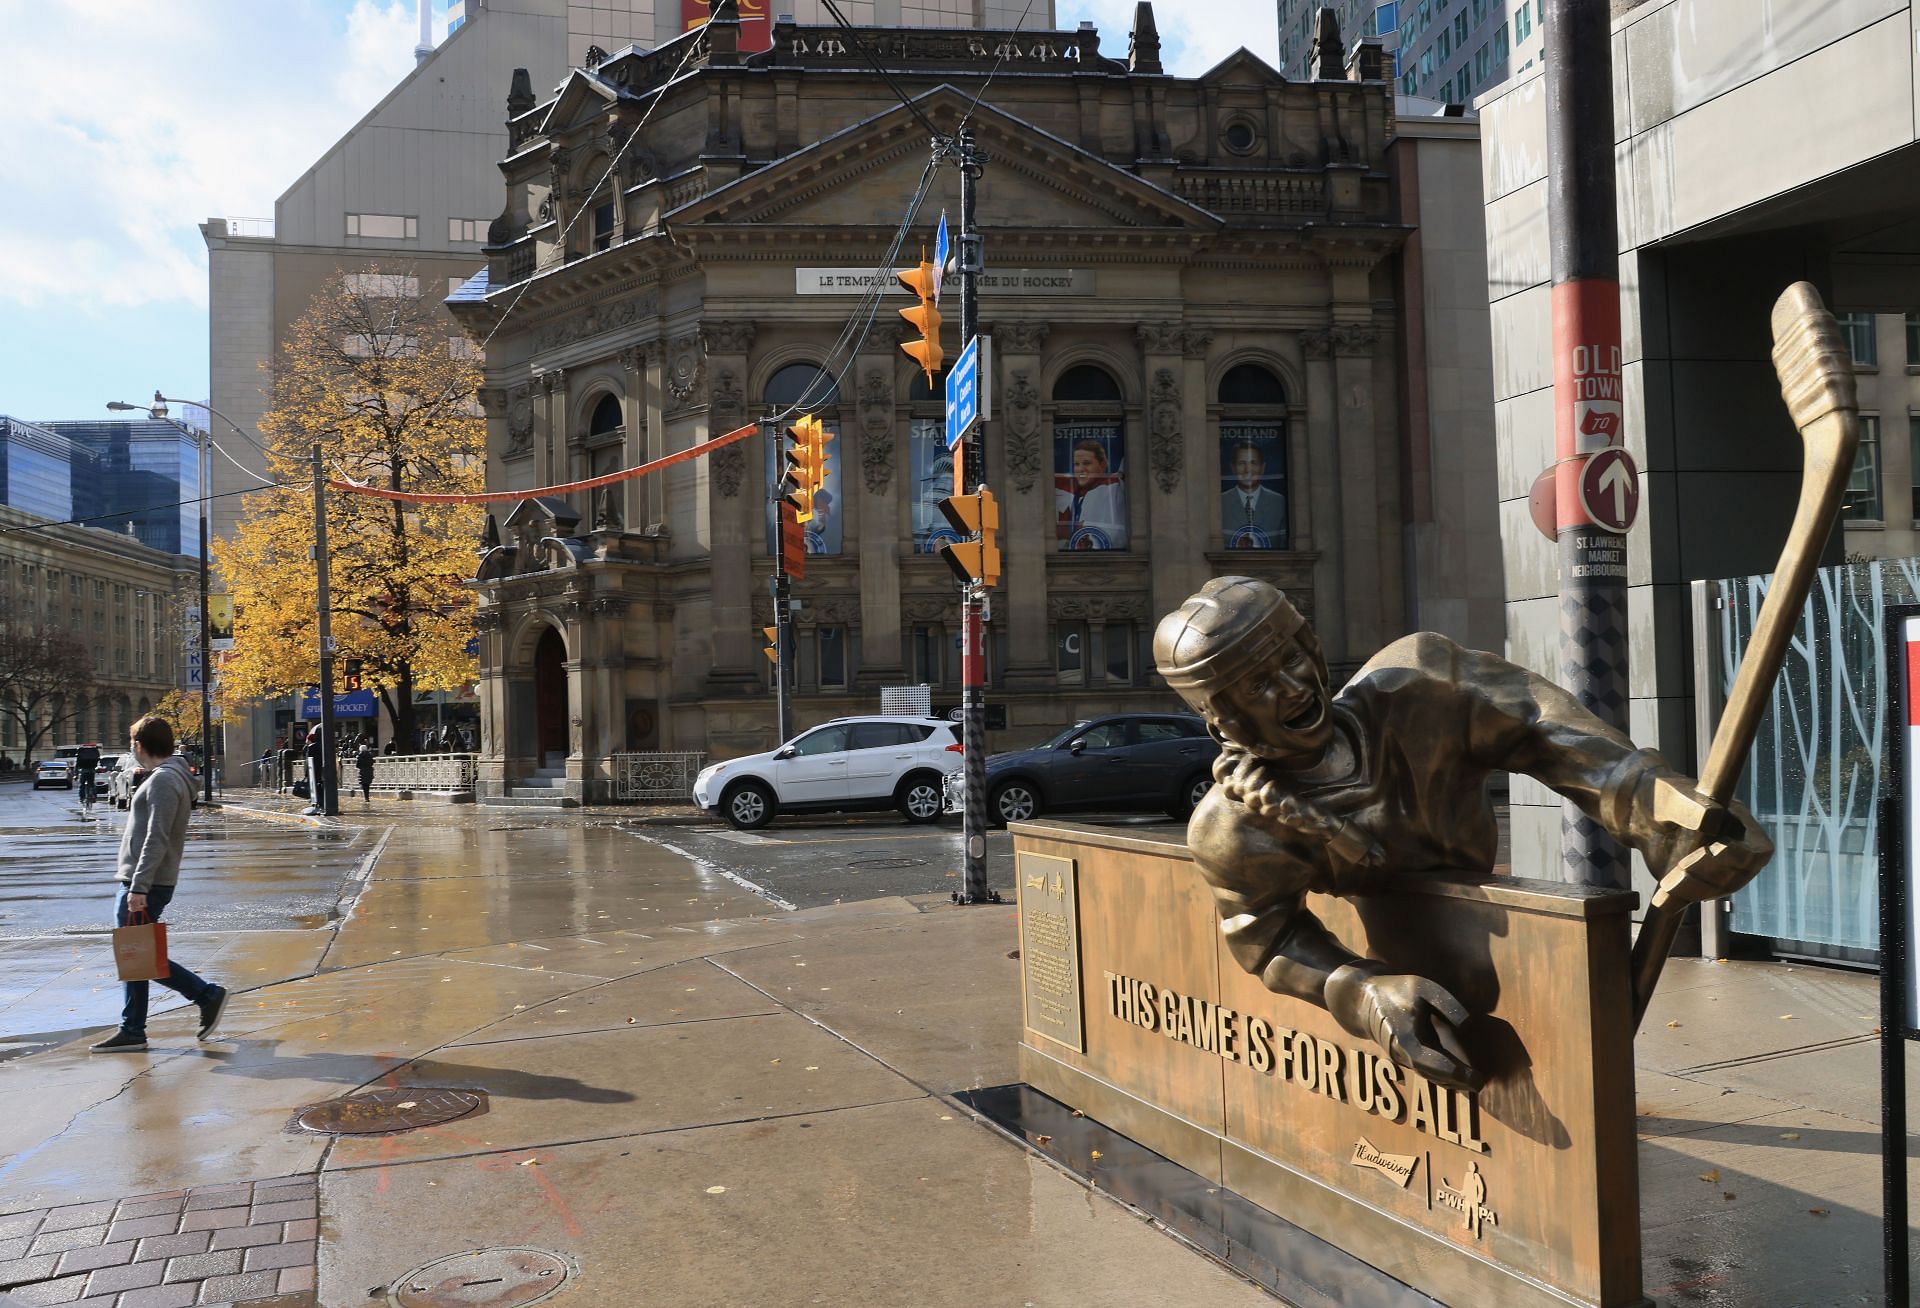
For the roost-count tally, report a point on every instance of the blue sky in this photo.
(135, 122)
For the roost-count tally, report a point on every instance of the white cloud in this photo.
(1194, 36)
(136, 122)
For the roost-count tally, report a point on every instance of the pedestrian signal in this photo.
(772, 650)
(976, 560)
(924, 317)
(352, 679)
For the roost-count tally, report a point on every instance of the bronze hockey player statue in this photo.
(1341, 793)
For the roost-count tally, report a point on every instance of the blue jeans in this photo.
(133, 1018)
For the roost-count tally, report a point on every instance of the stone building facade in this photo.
(127, 603)
(1192, 304)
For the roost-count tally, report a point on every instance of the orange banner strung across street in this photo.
(565, 488)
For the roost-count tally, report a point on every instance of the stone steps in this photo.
(537, 799)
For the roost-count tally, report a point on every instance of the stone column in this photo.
(1359, 471)
(1024, 485)
(1202, 462)
(1169, 518)
(1321, 482)
(877, 438)
(635, 448)
(736, 527)
(606, 688)
(550, 447)
(493, 697)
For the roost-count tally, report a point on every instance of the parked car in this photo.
(1128, 761)
(54, 772)
(847, 765)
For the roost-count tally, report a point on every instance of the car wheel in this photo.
(1192, 791)
(748, 806)
(1013, 801)
(920, 799)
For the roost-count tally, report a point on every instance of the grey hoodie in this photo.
(156, 833)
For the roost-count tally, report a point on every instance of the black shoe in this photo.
(120, 1042)
(210, 1009)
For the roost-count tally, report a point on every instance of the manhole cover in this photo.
(495, 1278)
(384, 1112)
(888, 862)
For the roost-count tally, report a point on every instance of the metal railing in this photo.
(655, 778)
(251, 228)
(439, 774)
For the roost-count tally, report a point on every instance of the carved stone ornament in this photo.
(493, 401)
(1354, 338)
(1166, 448)
(1194, 342)
(598, 319)
(519, 422)
(1095, 608)
(928, 608)
(726, 403)
(606, 509)
(557, 163)
(728, 337)
(685, 368)
(1159, 337)
(729, 469)
(876, 430)
(1023, 430)
(1317, 344)
(1021, 337)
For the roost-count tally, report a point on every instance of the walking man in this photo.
(363, 763)
(149, 871)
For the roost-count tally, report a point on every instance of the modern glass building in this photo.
(140, 476)
(36, 469)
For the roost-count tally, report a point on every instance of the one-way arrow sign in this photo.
(1610, 490)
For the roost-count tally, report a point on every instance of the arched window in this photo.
(806, 388)
(1255, 496)
(1089, 461)
(606, 418)
(932, 462)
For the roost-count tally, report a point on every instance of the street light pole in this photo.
(203, 471)
(326, 791)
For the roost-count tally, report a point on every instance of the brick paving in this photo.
(216, 1244)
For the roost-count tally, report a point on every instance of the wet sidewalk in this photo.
(676, 1094)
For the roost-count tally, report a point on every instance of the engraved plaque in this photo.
(1050, 947)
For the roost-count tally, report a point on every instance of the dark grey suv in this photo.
(1130, 760)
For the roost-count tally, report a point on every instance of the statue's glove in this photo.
(1413, 1018)
(1700, 849)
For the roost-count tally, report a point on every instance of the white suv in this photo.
(848, 764)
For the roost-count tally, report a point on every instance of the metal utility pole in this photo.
(206, 632)
(973, 655)
(326, 795)
(1591, 466)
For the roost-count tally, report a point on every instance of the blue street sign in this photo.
(940, 256)
(350, 704)
(968, 389)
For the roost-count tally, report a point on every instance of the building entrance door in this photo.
(550, 695)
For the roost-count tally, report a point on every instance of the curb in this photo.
(276, 815)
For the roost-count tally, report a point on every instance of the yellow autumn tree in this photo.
(379, 377)
(181, 709)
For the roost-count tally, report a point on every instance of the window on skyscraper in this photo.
(1444, 45)
(1500, 45)
(1482, 63)
(1460, 29)
(1479, 12)
(1523, 21)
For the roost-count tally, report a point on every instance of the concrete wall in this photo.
(1723, 109)
(1452, 511)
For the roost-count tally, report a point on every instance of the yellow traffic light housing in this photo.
(976, 560)
(925, 319)
(799, 483)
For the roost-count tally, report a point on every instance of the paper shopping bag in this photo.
(140, 951)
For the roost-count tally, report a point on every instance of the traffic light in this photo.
(976, 560)
(772, 651)
(351, 681)
(792, 543)
(925, 318)
(797, 484)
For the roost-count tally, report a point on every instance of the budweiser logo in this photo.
(1397, 1168)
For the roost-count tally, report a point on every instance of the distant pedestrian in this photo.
(286, 770)
(363, 763)
(318, 766)
(149, 870)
